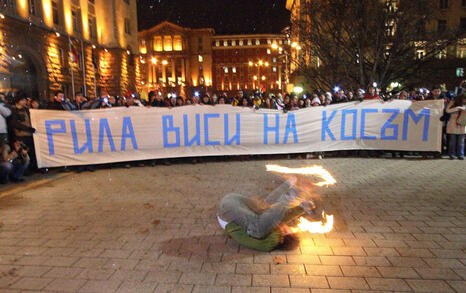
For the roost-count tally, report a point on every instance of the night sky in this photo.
(225, 16)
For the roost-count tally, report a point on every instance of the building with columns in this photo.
(72, 45)
(184, 60)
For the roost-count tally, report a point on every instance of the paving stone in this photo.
(31, 283)
(347, 283)
(132, 286)
(197, 278)
(323, 270)
(99, 286)
(429, 286)
(388, 284)
(65, 285)
(303, 281)
(397, 272)
(359, 271)
(337, 260)
(270, 280)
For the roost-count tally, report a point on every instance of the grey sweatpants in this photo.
(236, 208)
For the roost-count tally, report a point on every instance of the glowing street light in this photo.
(374, 84)
(57, 34)
(294, 45)
(255, 77)
(260, 62)
(250, 63)
(263, 77)
(154, 60)
(2, 16)
(164, 62)
(298, 89)
(266, 64)
(274, 46)
(298, 48)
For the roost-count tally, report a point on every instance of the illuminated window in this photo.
(460, 72)
(249, 42)
(225, 43)
(281, 42)
(217, 43)
(258, 42)
(225, 69)
(167, 43)
(32, 7)
(158, 44)
(269, 41)
(233, 70)
(442, 54)
(461, 52)
(274, 60)
(269, 51)
(178, 43)
(233, 43)
(200, 58)
(240, 42)
(274, 69)
(420, 53)
(142, 47)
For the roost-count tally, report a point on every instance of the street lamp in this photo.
(164, 62)
(154, 60)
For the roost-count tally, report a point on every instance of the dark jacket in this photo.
(20, 122)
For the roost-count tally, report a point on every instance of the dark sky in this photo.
(225, 16)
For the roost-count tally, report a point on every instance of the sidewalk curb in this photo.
(32, 184)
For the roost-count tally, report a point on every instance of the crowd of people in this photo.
(16, 132)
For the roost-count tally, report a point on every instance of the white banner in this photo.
(129, 134)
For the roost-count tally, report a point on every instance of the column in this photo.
(164, 73)
(183, 73)
(173, 61)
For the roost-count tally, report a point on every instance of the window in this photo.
(76, 15)
(442, 54)
(158, 45)
(249, 42)
(80, 61)
(32, 7)
(460, 72)
(217, 43)
(258, 42)
(200, 44)
(461, 51)
(420, 53)
(442, 26)
(167, 43)
(281, 42)
(61, 56)
(93, 28)
(274, 60)
(463, 24)
(126, 1)
(233, 70)
(55, 14)
(463, 3)
(177, 43)
(225, 69)
(127, 26)
(92, 1)
(241, 41)
(269, 51)
(443, 4)
(200, 58)
(274, 69)
(142, 47)
(225, 43)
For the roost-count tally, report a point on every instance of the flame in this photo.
(312, 170)
(314, 227)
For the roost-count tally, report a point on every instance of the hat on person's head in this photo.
(315, 100)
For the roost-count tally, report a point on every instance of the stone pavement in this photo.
(400, 226)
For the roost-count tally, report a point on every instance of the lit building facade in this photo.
(183, 60)
(248, 62)
(176, 58)
(85, 46)
(450, 66)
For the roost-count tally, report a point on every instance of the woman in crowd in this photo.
(456, 127)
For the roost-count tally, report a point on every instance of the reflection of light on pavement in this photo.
(313, 170)
(315, 227)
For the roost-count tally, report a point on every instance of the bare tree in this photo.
(356, 43)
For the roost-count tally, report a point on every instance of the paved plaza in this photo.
(400, 225)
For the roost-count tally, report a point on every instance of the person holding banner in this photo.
(456, 127)
(262, 224)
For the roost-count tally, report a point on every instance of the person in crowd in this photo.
(20, 127)
(221, 100)
(179, 101)
(34, 104)
(5, 112)
(79, 101)
(315, 102)
(308, 103)
(403, 95)
(205, 100)
(14, 161)
(155, 100)
(189, 102)
(371, 94)
(60, 102)
(301, 103)
(456, 127)
(339, 97)
(349, 96)
(435, 94)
